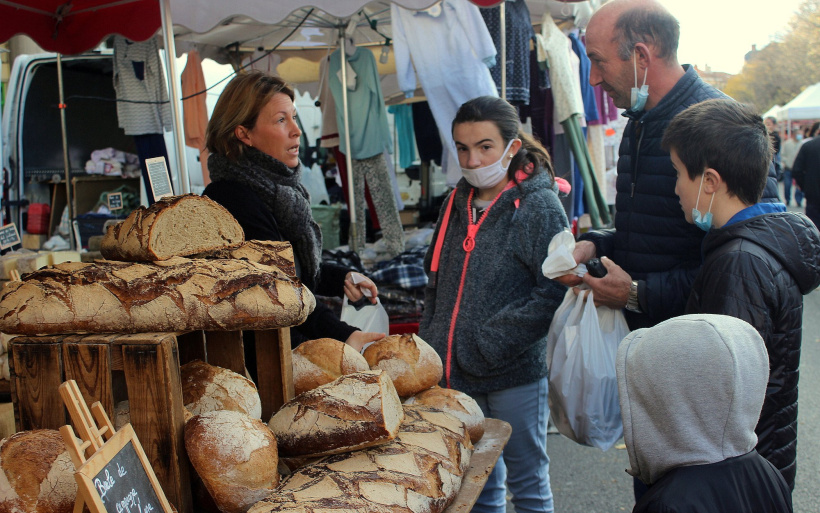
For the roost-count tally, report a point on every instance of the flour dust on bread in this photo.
(208, 387)
(456, 403)
(352, 412)
(235, 456)
(411, 363)
(420, 471)
(277, 254)
(179, 294)
(37, 473)
(320, 361)
(172, 226)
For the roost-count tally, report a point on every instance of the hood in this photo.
(789, 237)
(691, 390)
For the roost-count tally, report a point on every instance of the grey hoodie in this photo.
(691, 390)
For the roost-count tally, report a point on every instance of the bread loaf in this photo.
(354, 411)
(320, 361)
(418, 472)
(272, 253)
(235, 456)
(456, 403)
(207, 388)
(174, 295)
(172, 226)
(410, 361)
(37, 473)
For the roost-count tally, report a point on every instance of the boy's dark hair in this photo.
(728, 137)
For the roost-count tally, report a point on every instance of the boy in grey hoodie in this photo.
(691, 390)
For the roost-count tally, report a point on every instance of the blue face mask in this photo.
(799, 137)
(639, 95)
(702, 221)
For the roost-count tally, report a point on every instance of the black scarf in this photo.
(281, 189)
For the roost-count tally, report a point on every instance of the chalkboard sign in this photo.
(119, 479)
(159, 177)
(114, 201)
(9, 236)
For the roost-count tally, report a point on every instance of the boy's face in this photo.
(685, 187)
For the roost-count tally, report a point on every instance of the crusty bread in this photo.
(235, 456)
(456, 403)
(37, 473)
(320, 361)
(410, 361)
(418, 472)
(207, 388)
(172, 226)
(352, 412)
(266, 252)
(179, 294)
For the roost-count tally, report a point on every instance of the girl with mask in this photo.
(487, 305)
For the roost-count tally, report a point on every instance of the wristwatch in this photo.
(632, 303)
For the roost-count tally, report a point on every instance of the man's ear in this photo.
(712, 181)
(643, 56)
(241, 133)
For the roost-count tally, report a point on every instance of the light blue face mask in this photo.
(639, 95)
(704, 222)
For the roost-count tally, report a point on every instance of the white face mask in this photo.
(488, 177)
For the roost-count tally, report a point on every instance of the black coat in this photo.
(747, 484)
(758, 270)
(259, 224)
(652, 240)
(806, 170)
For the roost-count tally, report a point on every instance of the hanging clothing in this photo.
(428, 140)
(403, 117)
(556, 49)
(195, 109)
(138, 77)
(330, 131)
(587, 92)
(607, 111)
(518, 34)
(367, 116)
(450, 49)
(374, 172)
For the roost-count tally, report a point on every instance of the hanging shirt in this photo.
(518, 34)
(450, 48)
(587, 93)
(403, 116)
(367, 116)
(556, 49)
(139, 77)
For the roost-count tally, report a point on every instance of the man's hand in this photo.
(353, 291)
(613, 289)
(584, 250)
(358, 339)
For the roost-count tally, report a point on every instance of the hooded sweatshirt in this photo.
(691, 389)
(758, 270)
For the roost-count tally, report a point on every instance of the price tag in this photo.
(159, 177)
(9, 236)
(115, 201)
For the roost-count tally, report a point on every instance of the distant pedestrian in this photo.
(806, 173)
(788, 152)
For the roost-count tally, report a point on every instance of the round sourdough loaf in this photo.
(206, 387)
(411, 363)
(456, 403)
(320, 361)
(37, 473)
(235, 456)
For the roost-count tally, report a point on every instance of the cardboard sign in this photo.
(9, 236)
(159, 177)
(115, 201)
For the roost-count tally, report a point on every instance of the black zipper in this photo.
(636, 150)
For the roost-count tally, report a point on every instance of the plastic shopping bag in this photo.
(368, 317)
(583, 388)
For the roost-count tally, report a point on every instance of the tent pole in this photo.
(72, 243)
(176, 97)
(348, 159)
(503, 37)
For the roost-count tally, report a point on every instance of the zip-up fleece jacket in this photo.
(487, 312)
(652, 240)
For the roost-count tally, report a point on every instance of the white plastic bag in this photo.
(583, 388)
(369, 317)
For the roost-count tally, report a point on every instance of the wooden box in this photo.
(144, 369)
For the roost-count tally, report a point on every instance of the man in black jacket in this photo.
(632, 46)
(806, 173)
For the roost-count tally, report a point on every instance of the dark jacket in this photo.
(259, 224)
(652, 240)
(506, 304)
(758, 270)
(806, 170)
(746, 483)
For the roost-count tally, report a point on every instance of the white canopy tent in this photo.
(805, 105)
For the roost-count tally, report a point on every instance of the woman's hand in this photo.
(358, 339)
(354, 291)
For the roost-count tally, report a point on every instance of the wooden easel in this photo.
(99, 447)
